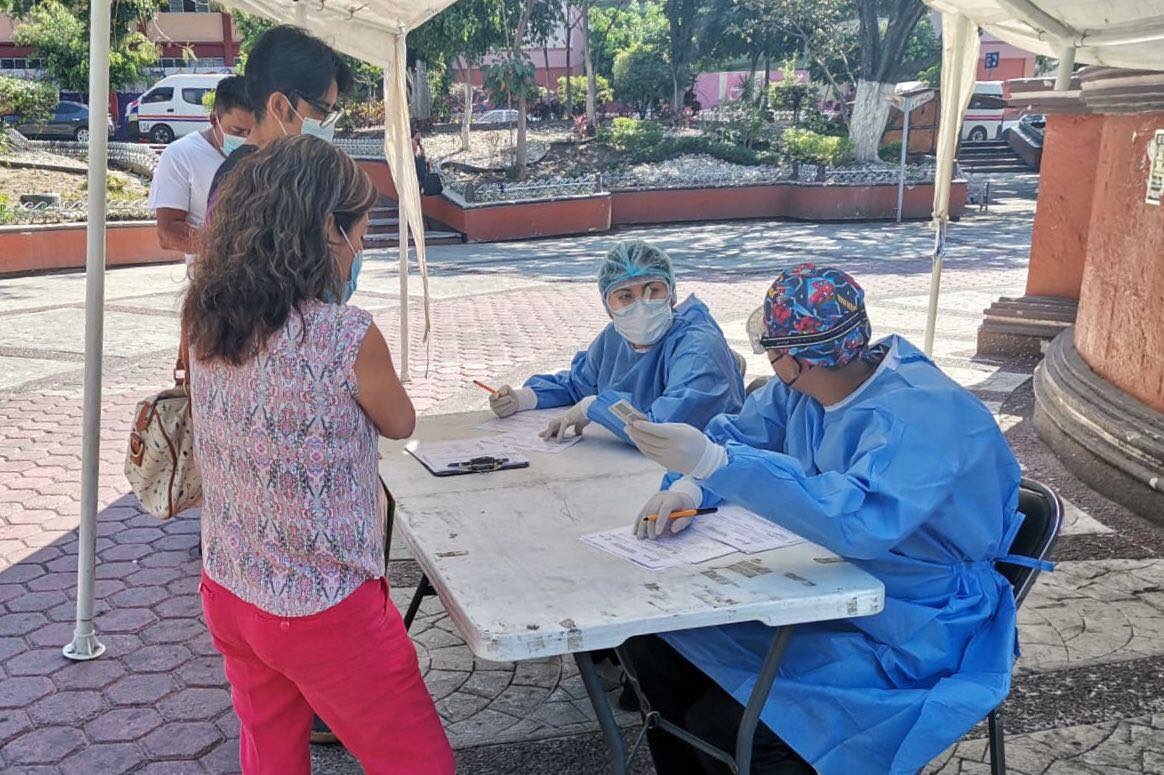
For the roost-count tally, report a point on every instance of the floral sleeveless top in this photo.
(288, 460)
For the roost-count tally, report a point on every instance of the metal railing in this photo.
(133, 157)
(44, 213)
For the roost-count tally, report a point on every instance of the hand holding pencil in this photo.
(677, 508)
(506, 400)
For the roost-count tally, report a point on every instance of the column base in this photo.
(1108, 439)
(1024, 326)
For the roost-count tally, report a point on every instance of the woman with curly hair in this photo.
(291, 387)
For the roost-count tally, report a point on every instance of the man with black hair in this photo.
(294, 81)
(182, 180)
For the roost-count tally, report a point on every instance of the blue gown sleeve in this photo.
(761, 423)
(567, 388)
(895, 477)
(701, 382)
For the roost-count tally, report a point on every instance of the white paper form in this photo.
(520, 431)
(439, 455)
(743, 530)
(672, 549)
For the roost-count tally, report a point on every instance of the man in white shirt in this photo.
(182, 180)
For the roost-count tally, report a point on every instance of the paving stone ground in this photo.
(1089, 689)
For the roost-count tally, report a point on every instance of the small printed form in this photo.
(626, 411)
(708, 537)
(520, 431)
(685, 548)
(743, 530)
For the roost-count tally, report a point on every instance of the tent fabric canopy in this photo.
(1115, 33)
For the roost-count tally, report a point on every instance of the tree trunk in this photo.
(569, 69)
(591, 84)
(421, 93)
(546, 56)
(519, 161)
(767, 78)
(467, 116)
(870, 112)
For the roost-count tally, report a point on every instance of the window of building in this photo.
(188, 6)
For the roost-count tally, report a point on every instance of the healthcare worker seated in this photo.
(872, 452)
(670, 362)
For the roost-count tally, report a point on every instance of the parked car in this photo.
(502, 116)
(68, 121)
(172, 107)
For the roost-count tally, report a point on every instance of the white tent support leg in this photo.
(959, 63)
(85, 645)
(1066, 68)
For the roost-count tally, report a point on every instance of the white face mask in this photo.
(643, 322)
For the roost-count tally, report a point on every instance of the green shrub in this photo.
(7, 210)
(632, 134)
(818, 122)
(891, 152)
(803, 145)
(602, 92)
(31, 100)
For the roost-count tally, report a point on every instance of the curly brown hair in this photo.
(267, 248)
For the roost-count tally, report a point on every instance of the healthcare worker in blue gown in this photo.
(671, 362)
(872, 452)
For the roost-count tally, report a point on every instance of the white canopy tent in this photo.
(371, 30)
(1115, 33)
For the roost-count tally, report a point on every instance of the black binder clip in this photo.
(480, 465)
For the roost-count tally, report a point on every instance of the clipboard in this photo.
(459, 458)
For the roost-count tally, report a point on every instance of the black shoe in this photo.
(321, 734)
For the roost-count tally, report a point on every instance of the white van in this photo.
(985, 113)
(172, 107)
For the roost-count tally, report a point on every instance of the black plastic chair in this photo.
(1035, 539)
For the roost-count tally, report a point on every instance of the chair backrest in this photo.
(1044, 516)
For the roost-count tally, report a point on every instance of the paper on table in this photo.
(439, 455)
(743, 530)
(673, 549)
(521, 431)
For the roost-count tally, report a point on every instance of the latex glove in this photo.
(677, 447)
(575, 418)
(507, 400)
(661, 504)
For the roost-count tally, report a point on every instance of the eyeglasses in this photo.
(330, 113)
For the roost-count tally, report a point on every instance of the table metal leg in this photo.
(423, 590)
(602, 709)
(746, 735)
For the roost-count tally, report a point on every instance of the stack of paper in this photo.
(710, 536)
(520, 431)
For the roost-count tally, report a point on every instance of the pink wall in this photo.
(713, 88)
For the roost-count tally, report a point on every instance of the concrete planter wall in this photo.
(62, 246)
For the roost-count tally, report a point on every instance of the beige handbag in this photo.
(160, 463)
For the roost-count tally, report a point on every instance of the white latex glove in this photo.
(660, 505)
(507, 400)
(677, 447)
(575, 418)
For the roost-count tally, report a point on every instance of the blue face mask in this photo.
(357, 262)
(231, 143)
(310, 126)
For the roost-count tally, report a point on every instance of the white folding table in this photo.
(501, 550)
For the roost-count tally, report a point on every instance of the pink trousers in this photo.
(353, 664)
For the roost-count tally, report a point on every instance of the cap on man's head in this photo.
(815, 314)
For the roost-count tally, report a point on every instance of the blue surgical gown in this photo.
(687, 376)
(910, 479)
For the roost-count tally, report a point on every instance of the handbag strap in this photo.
(182, 363)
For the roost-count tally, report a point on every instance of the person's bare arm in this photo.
(174, 232)
(380, 393)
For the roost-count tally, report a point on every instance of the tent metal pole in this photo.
(85, 645)
(1066, 68)
(901, 170)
